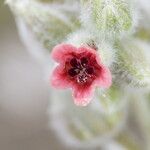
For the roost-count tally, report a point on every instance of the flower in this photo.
(79, 69)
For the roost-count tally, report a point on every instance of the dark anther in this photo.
(90, 70)
(74, 62)
(84, 61)
(73, 72)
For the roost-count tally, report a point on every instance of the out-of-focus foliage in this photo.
(120, 32)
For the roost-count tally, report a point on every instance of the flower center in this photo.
(80, 69)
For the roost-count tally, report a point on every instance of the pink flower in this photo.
(79, 69)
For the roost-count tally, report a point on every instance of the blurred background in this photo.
(23, 94)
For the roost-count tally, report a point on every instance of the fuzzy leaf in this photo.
(108, 15)
(50, 23)
(133, 62)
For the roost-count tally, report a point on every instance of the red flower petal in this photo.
(105, 79)
(61, 51)
(59, 78)
(86, 49)
(83, 96)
